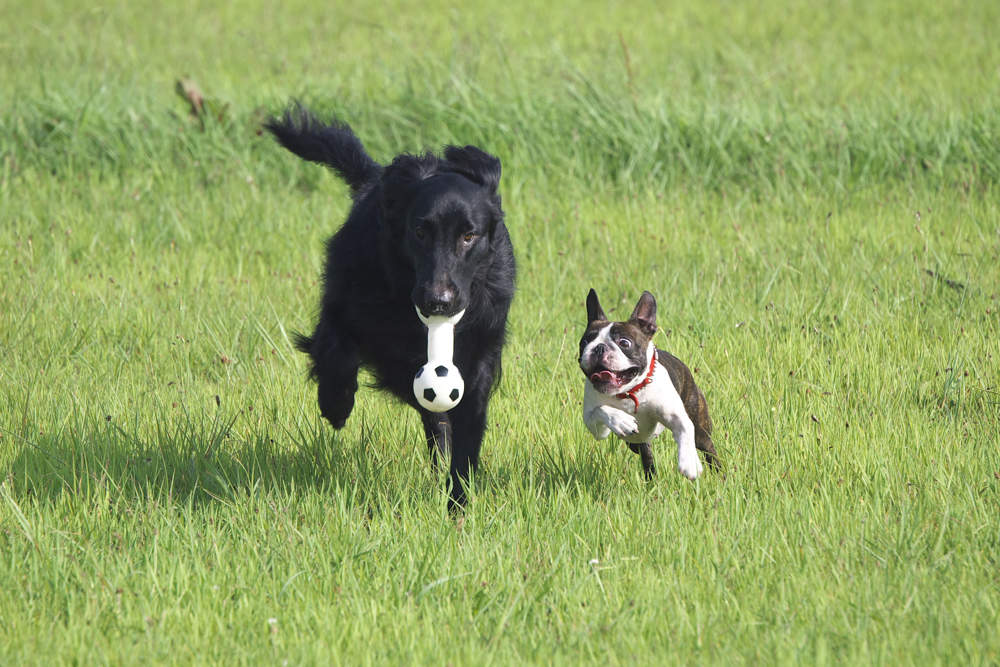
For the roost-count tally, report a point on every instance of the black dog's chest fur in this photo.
(392, 341)
(394, 348)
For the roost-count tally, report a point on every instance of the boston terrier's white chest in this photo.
(654, 401)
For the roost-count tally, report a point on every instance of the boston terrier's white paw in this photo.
(689, 464)
(623, 424)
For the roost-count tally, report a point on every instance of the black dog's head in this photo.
(440, 216)
(615, 355)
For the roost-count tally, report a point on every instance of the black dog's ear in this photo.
(594, 311)
(475, 164)
(645, 313)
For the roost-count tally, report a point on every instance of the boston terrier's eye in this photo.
(624, 343)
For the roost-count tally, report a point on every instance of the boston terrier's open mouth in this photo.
(607, 379)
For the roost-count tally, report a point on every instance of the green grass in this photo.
(810, 193)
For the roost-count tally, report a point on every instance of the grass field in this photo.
(811, 193)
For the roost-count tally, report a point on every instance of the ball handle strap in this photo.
(440, 335)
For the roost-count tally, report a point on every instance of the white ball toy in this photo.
(438, 386)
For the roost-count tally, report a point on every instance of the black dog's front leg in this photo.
(468, 418)
(437, 430)
(335, 367)
(468, 422)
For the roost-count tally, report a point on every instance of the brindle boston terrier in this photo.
(635, 390)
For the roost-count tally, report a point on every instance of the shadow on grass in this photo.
(206, 460)
(594, 475)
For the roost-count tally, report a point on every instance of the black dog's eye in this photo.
(468, 238)
(419, 233)
(624, 343)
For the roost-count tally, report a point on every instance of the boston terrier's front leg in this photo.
(680, 425)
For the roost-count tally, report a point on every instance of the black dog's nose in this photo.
(438, 302)
(599, 350)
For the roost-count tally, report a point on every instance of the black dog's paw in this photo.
(336, 404)
(336, 414)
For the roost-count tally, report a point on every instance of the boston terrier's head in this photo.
(615, 355)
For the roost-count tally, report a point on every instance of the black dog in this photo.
(424, 231)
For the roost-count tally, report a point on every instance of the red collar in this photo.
(634, 390)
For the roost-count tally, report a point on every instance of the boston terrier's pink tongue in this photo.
(605, 376)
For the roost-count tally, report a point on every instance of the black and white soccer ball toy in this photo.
(438, 386)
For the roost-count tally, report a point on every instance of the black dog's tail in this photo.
(334, 145)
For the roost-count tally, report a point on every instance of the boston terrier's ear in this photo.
(594, 311)
(645, 313)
